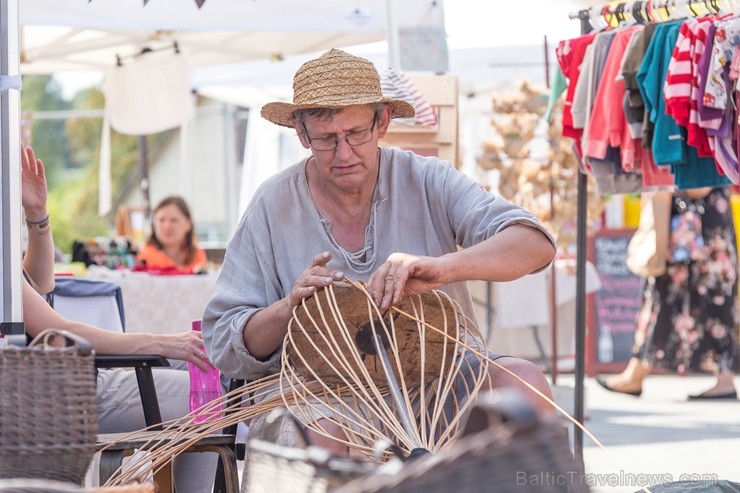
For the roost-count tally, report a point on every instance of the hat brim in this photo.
(281, 113)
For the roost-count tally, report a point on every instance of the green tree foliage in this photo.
(43, 93)
(70, 149)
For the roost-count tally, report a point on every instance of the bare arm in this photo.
(187, 346)
(39, 259)
(514, 252)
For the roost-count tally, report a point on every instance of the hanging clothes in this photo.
(653, 105)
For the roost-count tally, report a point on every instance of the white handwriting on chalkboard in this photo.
(610, 255)
(619, 299)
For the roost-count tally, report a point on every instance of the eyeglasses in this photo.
(330, 143)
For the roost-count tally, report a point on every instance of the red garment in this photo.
(570, 53)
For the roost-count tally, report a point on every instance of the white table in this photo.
(160, 304)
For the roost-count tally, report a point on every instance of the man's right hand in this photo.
(315, 277)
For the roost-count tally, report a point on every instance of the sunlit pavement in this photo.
(660, 436)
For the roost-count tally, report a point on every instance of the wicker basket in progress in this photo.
(48, 409)
(505, 447)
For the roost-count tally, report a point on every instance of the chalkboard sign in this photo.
(614, 308)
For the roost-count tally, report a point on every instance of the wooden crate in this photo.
(441, 140)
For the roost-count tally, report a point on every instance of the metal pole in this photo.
(391, 22)
(578, 412)
(11, 321)
(144, 175)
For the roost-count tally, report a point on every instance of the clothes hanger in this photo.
(666, 14)
(606, 11)
(595, 19)
(619, 14)
(690, 5)
(636, 12)
(649, 12)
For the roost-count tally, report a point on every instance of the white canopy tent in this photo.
(74, 34)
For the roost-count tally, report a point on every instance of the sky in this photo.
(468, 24)
(475, 23)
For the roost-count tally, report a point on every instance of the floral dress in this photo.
(689, 316)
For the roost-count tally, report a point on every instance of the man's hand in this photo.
(405, 274)
(315, 277)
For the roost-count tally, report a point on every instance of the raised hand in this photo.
(33, 184)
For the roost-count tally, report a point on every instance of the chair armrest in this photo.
(142, 364)
(129, 360)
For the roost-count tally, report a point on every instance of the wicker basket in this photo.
(48, 409)
(48, 486)
(277, 469)
(505, 447)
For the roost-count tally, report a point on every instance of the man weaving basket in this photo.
(401, 223)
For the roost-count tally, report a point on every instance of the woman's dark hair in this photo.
(189, 243)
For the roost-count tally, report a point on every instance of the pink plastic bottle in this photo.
(205, 386)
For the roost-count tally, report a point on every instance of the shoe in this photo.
(703, 397)
(602, 382)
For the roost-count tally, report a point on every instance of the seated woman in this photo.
(171, 245)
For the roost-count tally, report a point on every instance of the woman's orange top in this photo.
(157, 259)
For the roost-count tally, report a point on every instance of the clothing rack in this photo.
(653, 11)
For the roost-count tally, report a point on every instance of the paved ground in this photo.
(659, 434)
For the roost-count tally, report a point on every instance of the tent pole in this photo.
(394, 50)
(581, 232)
(144, 175)
(11, 317)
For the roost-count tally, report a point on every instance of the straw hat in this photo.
(336, 79)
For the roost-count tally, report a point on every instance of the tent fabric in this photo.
(149, 94)
(77, 35)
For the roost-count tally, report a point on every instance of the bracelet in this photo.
(42, 224)
(35, 223)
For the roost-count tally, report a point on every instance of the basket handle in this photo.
(57, 339)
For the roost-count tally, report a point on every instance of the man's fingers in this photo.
(321, 259)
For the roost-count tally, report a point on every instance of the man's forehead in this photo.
(346, 117)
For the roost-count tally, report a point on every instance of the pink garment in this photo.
(654, 176)
(682, 82)
(608, 124)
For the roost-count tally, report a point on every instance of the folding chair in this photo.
(94, 302)
(100, 303)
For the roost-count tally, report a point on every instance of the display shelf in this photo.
(441, 140)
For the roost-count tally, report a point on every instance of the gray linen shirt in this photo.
(421, 206)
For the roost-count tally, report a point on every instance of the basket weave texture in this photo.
(538, 461)
(505, 446)
(321, 341)
(48, 486)
(48, 413)
(277, 469)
